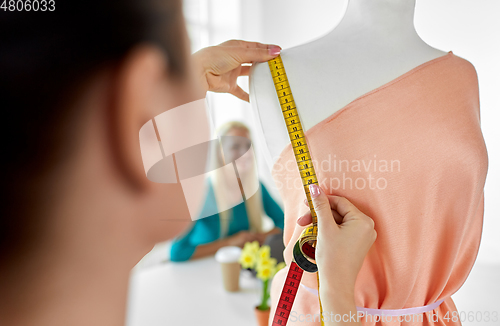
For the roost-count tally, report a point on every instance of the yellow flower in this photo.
(254, 246)
(265, 268)
(247, 259)
(264, 273)
(248, 256)
(247, 247)
(266, 263)
(264, 252)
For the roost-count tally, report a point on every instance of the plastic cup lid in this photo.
(228, 254)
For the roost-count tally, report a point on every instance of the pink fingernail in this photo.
(314, 190)
(274, 50)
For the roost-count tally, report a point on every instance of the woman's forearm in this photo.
(208, 249)
(274, 230)
(239, 239)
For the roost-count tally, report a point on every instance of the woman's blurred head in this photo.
(76, 85)
(235, 140)
(236, 143)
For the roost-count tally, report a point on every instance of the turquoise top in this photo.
(207, 229)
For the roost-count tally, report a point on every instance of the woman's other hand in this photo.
(219, 66)
(261, 237)
(239, 239)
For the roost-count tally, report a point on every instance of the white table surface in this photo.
(190, 293)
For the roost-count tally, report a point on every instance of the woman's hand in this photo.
(345, 235)
(219, 66)
(263, 236)
(239, 239)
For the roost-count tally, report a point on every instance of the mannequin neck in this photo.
(380, 18)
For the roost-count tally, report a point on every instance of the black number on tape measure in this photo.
(287, 297)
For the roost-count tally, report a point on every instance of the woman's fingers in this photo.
(342, 205)
(323, 209)
(240, 93)
(306, 219)
(245, 70)
(219, 66)
(247, 44)
(250, 55)
(338, 218)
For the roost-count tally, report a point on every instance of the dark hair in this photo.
(45, 57)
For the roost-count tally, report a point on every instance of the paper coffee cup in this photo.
(228, 258)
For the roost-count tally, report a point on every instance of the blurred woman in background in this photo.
(244, 221)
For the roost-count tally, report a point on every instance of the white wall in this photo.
(471, 29)
(468, 28)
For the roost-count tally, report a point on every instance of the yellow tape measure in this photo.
(304, 249)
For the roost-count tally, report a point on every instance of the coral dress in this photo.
(411, 155)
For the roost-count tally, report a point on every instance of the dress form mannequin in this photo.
(374, 43)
